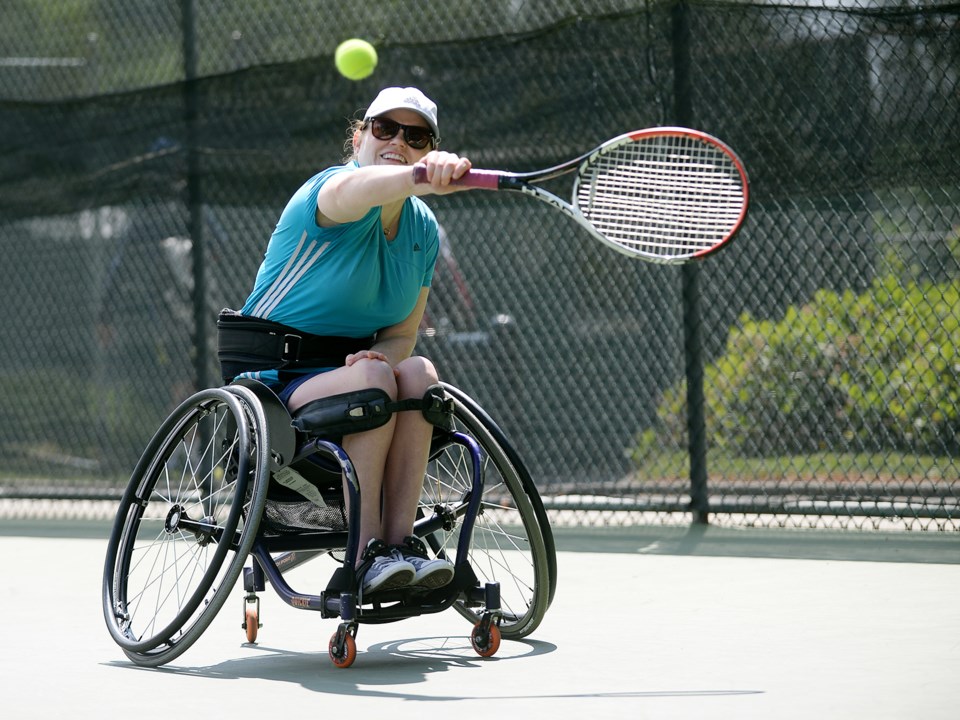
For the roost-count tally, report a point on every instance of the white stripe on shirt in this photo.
(288, 277)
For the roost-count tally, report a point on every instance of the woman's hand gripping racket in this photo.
(666, 195)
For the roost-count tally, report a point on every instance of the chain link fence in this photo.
(808, 376)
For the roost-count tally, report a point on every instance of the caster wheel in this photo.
(251, 623)
(344, 656)
(486, 643)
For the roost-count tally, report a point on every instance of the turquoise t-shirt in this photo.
(346, 280)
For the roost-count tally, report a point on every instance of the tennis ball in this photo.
(355, 59)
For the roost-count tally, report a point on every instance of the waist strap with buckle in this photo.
(252, 344)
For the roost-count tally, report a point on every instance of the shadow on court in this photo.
(403, 663)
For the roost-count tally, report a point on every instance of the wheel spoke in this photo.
(507, 546)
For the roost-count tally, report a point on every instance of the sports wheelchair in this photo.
(231, 476)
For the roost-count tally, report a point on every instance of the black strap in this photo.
(360, 410)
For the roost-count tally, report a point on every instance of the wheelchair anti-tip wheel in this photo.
(485, 640)
(342, 648)
(251, 618)
(512, 543)
(185, 524)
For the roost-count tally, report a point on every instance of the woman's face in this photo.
(395, 151)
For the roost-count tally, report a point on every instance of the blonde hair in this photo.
(350, 152)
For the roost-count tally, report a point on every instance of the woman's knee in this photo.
(414, 376)
(369, 373)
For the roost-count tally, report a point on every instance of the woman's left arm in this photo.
(395, 343)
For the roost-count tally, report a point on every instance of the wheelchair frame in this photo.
(191, 516)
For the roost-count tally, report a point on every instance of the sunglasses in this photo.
(413, 135)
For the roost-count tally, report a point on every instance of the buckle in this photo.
(291, 348)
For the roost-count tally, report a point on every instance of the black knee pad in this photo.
(344, 414)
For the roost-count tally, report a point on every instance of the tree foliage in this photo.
(870, 371)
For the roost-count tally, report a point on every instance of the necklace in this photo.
(389, 229)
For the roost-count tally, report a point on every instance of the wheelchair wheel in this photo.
(512, 543)
(185, 524)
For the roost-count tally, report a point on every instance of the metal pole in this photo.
(201, 361)
(195, 224)
(690, 274)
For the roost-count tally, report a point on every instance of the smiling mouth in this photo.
(394, 157)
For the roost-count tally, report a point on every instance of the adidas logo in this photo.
(416, 247)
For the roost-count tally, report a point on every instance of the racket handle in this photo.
(483, 179)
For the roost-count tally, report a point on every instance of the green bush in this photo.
(873, 371)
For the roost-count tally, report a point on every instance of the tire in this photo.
(186, 524)
(511, 543)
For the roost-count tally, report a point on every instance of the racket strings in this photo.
(669, 195)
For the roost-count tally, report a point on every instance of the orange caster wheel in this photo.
(251, 617)
(251, 623)
(485, 642)
(344, 652)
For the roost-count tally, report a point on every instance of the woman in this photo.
(352, 256)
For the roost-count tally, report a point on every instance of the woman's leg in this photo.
(404, 475)
(367, 450)
(406, 461)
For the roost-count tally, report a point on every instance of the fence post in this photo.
(690, 278)
(201, 361)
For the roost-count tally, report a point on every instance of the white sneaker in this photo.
(387, 569)
(429, 573)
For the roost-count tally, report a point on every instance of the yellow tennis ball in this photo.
(355, 59)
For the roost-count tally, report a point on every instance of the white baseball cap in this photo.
(410, 98)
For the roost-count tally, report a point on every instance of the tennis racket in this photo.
(666, 195)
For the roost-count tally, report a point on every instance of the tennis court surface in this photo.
(647, 623)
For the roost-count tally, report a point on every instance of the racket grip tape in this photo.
(483, 179)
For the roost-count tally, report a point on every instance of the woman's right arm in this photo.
(348, 196)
